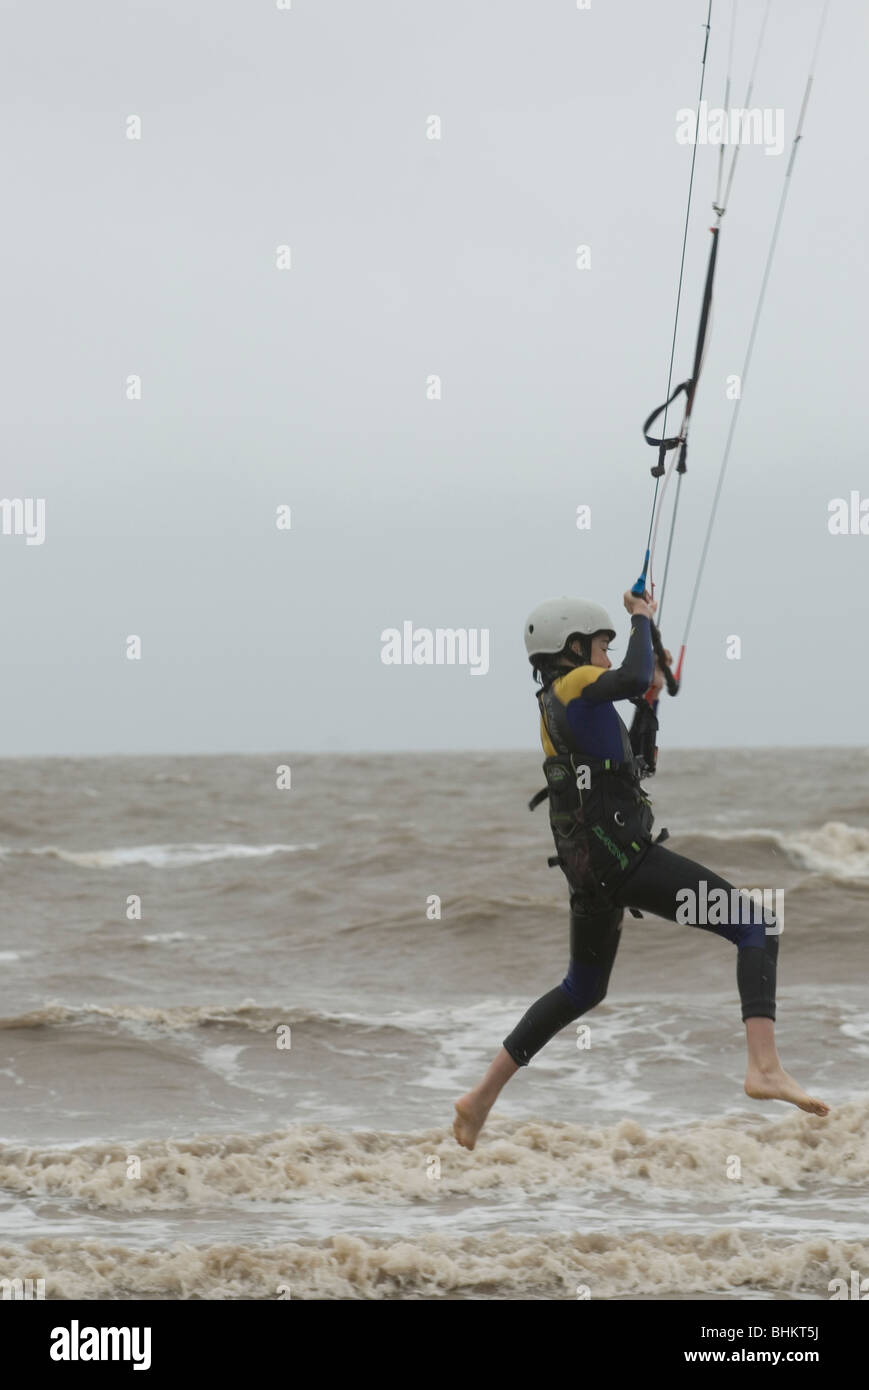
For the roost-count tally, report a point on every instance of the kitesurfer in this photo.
(601, 823)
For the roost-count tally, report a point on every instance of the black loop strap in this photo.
(676, 438)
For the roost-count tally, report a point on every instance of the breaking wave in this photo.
(729, 1263)
(539, 1160)
(837, 850)
(158, 856)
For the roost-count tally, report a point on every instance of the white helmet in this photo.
(556, 619)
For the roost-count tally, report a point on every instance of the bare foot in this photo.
(777, 1085)
(470, 1117)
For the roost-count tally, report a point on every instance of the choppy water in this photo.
(157, 1141)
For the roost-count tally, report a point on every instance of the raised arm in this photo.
(634, 676)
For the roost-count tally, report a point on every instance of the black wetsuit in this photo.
(601, 887)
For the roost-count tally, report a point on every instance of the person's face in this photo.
(599, 648)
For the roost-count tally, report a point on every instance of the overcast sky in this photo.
(413, 257)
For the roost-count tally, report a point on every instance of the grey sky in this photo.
(308, 386)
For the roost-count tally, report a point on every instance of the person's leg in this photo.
(654, 885)
(594, 940)
(472, 1109)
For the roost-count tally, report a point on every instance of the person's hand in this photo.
(645, 606)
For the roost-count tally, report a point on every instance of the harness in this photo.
(601, 822)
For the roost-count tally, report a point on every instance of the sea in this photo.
(239, 996)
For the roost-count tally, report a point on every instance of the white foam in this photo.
(550, 1265)
(165, 856)
(837, 849)
(166, 937)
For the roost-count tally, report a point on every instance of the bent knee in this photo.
(584, 993)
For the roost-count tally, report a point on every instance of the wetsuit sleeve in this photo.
(633, 677)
